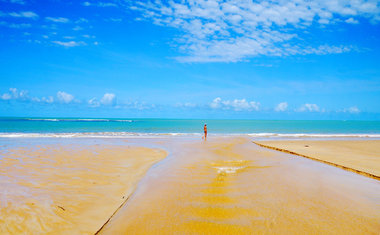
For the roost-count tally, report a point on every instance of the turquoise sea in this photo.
(114, 127)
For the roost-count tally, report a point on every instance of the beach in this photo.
(189, 117)
(360, 156)
(70, 188)
(180, 184)
(230, 185)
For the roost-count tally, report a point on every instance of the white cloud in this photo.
(24, 14)
(100, 4)
(216, 103)
(233, 30)
(19, 94)
(64, 97)
(106, 4)
(15, 94)
(77, 28)
(18, 1)
(309, 108)
(186, 105)
(81, 20)
(108, 99)
(137, 105)
(57, 19)
(94, 102)
(115, 19)
(352, 109)
(48, 100)
(15, 26)
(236, 104)
(6, 96)
(352, 21)
(21, 2)
(281, 107)
(70, 43)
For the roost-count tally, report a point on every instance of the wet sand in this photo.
(67, 189)
(232, 186)
(362, 157)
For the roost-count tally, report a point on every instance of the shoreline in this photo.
(226, 183)
(297, 153)
(73, 188)
(182, 134)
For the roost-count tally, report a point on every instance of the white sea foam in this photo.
(140, 134)
(76, 120)
(47, 120)
(92, 135)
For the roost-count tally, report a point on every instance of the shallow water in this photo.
(70, 127)
(229, 186)
(52, 186)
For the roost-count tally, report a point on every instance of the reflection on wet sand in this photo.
(229, 186)
(71, 189)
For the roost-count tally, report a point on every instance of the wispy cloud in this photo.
(309, 108)
(64, 97)
(15, 94)
(70, 43)
(24, 14)
(136, 105)
(93, 102)
(186, 105)
(236, 104)
(352, 109)
(48, 100)
(6, 96)
(21, 2)
(57, 19)
(233, 30)
(114, 19)
(81, 20)
(281, 107)
(77, 28)
(15, 26)
(99, 4)
(108, 99)
(352, 21)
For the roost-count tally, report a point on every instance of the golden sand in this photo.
(57, 189)
(231, 186)
(362, 157)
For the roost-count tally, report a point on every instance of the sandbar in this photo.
(67, 189)
(360, 156)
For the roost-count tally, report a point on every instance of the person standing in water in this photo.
(205, 130)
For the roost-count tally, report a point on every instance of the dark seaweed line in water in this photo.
(323, 161)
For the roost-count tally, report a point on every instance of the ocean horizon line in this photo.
(175, 118)
(172, 134)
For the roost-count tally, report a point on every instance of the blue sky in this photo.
(293, 59)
